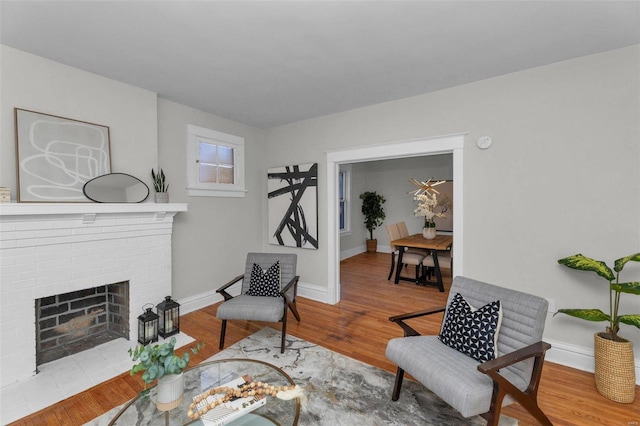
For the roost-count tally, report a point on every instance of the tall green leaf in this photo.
(631, 288)
(619, 264)
(632, 319)
(583, 263)
(586, 314)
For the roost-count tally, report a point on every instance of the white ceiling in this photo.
(268, 63)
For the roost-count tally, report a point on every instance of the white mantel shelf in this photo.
(53, 209)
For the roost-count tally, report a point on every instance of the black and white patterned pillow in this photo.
(265, 282)
(472, 331)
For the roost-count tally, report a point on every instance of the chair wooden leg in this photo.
(398, 384)
(493, 416)
(527, 399)
(294, 310)
(284, 332)
(393, 264)
(223, 329)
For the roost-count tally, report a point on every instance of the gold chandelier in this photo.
(426, 187)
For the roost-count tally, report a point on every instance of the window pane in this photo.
(207, 153)
(226, 155)
(226, 175)
(207, 173)
(216, 163)
(341, 214)
(341, 185)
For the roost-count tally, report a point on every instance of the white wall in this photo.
(562, 176)
(35, 83)
(211, 240)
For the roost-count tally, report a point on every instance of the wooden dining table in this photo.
(440, 242)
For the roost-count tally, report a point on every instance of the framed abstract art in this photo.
(57, 156)
(293, 205)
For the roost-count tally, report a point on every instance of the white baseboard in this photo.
(198, 301)
(577, 357)
(344, 254)
(313, 292)
(361, 249)
(384, 249)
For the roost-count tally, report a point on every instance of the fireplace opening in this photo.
(72, 322)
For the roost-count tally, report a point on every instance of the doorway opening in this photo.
(453, 144)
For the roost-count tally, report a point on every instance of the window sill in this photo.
(230, 193)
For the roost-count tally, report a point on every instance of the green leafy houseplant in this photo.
(372, 211)
(159, 181)
(616, 288)
(155, 361)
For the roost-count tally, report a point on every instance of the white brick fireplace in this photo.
(48, 249)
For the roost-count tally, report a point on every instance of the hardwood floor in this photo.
(358, 327)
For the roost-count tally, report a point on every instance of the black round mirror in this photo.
(116, 188)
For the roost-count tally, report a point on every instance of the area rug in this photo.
(341, 390)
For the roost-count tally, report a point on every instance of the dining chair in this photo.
(428, 259)
(404, 232)
(408, 257)
(445, 260)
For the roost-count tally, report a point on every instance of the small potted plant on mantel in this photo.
(613, 355)
(160, 362)
(373, 216)
(160, 185)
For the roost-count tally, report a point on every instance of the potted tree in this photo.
(373, 216)
(614, 360)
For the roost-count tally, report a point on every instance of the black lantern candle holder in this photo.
(148, 327)
(169, 313)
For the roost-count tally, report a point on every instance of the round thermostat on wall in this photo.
(484, 142)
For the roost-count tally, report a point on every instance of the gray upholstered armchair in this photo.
(470, 386)
(258, 303)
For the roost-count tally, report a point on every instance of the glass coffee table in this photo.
(142, 410)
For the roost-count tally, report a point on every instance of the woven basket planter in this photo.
(372, 246)
(614, 369)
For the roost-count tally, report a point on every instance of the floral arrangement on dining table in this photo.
(427, 204)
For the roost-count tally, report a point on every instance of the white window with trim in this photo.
(344, 199)
(215, 163)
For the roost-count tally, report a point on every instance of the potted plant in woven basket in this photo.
(373, 216)
(614, 360)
